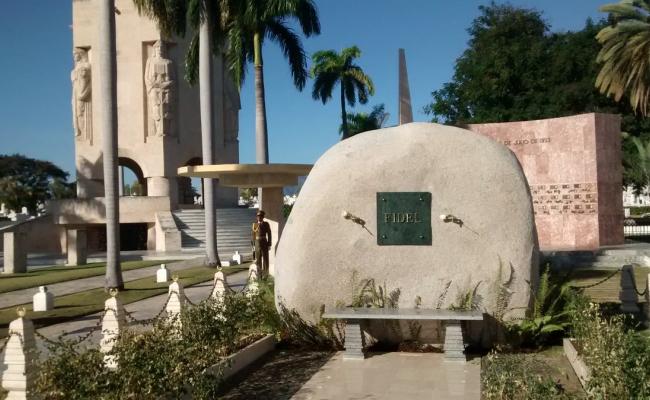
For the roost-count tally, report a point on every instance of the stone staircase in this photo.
(233, 229)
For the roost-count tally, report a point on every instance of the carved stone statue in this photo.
(159, 80)
(82, 109)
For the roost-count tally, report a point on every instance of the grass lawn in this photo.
(608, 291)
(62, 273)
(91, 301)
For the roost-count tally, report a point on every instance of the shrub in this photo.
(517, 377)
(618, 358)
(167, 361)
(549, 316)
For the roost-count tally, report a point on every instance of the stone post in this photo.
(43, 300)
(272, 202)
(627, 293)
(162, 275)
(220, 286)
(253, 277)
(176, 302)
(454, 346)
(647, 300)
(354, 340)
(18, 377)
(15, 253)
(77, 247)
(112, 324)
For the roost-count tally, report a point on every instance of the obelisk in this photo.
(404, 109)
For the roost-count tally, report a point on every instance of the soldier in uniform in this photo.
(261, 232)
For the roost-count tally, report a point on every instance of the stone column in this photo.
(77, 247)
(271, 201)
(18, 377)
(627, 292)
(15, 253)
(454, 346)
(353, 340)
(113, 323)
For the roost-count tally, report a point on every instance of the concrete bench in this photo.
(454, 346)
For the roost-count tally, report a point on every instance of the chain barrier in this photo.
(642, 294)
(148, 320)
(599, 282)
(45, 339)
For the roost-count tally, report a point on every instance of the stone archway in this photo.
(135, 190)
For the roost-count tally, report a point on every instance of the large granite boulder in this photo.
(489, 246)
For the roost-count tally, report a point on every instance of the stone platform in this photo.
(394, 376)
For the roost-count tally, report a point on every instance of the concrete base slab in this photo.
(394, 376)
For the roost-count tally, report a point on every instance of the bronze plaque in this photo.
(404, 218)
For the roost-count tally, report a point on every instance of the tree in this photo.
(643, 149)
(331, 68)
(27, 182)
(250, 23)
(516, 69)
(362, 122)
(207, 20)
(106, 61)
(625, 53)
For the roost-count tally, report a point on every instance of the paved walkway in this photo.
(24, 296)
(395, 375)
(143, 309)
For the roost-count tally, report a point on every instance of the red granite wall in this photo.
(573, 166)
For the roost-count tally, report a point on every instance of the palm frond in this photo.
(292, 48)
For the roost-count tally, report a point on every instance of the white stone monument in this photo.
(113, 322)
(43, 300)
(176, 302)
(253, 277)
(220, 286)
(18, 377)
(236, 258)
(162, 275)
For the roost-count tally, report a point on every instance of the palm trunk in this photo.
(205, 95)
(108, 123)
(261, 134)
(344, 115)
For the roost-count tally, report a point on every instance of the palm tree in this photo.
(108, 98)
(206, 19)
(362, 122)
(625, 55)
(250, 23)
(331, 68)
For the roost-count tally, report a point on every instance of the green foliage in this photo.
(286, 210)
(625, 55)
(366, 293)
(517, 377)
(330, 69)
(467, 300)
(643, 149)
(550, 313)
(363, 122)
(27, 182)
(164, 362)
(618, 358)
(516, 69)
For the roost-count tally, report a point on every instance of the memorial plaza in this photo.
(453, 204)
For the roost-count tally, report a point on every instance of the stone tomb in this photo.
(573, 166)
(476, 232)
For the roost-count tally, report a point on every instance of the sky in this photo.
(36, 59)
